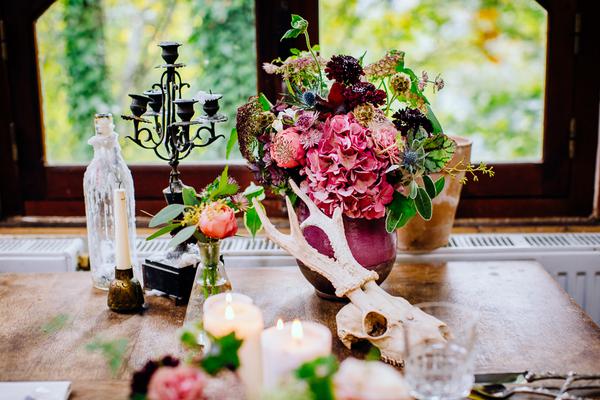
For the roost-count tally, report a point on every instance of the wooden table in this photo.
(527, 321)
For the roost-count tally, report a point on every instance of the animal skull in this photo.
(372, 314)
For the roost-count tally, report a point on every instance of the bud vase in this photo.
(210, 279)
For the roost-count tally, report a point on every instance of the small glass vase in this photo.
(210, 279)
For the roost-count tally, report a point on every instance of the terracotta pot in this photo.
(371, 245)
(422, 236)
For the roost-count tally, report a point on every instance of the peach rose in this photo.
(286, 149)
(179, 383)
(217, 221)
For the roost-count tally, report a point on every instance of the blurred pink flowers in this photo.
(179, 383)
(347, 169)
(217, 221)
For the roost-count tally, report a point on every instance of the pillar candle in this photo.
(223, 317)
(224, 297)
(287, 346)
(123, 257)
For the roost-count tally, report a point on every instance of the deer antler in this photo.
(373, 314)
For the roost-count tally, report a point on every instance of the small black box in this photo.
(175, 282)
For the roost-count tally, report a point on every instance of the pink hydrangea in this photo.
(385, 136)
(286, 149)
(179, 383)
(346, 170)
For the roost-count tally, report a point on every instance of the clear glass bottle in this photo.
(107, 171)
(211, 278)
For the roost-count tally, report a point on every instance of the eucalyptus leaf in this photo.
(233, 138)
(429, 186)
(166, 215)
(423, 204)
(162, 231)
(182, 235)
(189, 196)
(252, 221)
(439, 185)
(439, 151)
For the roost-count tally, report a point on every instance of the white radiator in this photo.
(572, 258)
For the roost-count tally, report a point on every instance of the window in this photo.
(540, 131)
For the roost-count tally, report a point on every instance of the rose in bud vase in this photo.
(358, 137)
(209, 216)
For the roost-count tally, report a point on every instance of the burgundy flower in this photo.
(362, 93)
(344, 69)
(410, 119)
(141, 378)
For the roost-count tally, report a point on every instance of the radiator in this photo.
(573, 259)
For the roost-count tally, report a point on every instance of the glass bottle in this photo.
(107, 171)
(211, 278)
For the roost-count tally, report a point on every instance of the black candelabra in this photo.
(173, 139)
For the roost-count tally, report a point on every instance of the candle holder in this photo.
(173, 133)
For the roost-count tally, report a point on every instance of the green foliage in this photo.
(163, 230)
(299, 27)
(166, 215)
(182, 235)
(429, 186)
(189, 196)
(318, 376)
(233, 138)
(55, 324)
(85, 67)
(374, 354)
(423, 204)
(399, 212)
(252, 221)
(264, 102)
(112, 350)
(222, 353)
(439, 151)
(439, 185)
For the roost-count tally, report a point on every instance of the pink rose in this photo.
(286, 148)
(179, 383)
(217, 221)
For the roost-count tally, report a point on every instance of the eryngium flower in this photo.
(344, 69)
(363, 93)
(386, 66)
(410, 119)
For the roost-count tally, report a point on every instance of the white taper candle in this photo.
(123, 256)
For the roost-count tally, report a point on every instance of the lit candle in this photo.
(287, 346)
(222, 297)
(123, 256)
(235, 314)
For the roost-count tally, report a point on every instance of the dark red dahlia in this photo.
(362, 93)
(410, 119)
(344, 69)
(141, 378)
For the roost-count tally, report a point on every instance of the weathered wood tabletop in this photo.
(527, 321)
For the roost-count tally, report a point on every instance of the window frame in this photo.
(559, 185)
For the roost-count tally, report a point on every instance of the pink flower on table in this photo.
(347, 170)
(179, 383)
(286, 149)
(217, 221)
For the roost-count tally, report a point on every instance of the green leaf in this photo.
(299, 23)
(291, 34)
(374, 354)
(56, 324)
(423, 204)
(439, 150)
(437, 128)
(429, 186)
(294, 51)
(189, 196)
(113, 352)
(223, 187)
(439, 185)
(182, 235)
(166, 215)
(399, 212)
(252, 221)
(413, 187)
(253, 191)
(264, 102)
(222, 353)
(318, 376)
(163, 230)
(233, 137)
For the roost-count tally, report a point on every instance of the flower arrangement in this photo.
(360, 137)
(209, 215)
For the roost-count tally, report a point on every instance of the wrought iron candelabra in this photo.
(173, 139)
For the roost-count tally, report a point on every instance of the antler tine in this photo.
(312, 207)
(270, 229)
(295, 229)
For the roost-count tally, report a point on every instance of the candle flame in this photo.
(229, 314)
(297, 332)
(228, 298)
(279, 324)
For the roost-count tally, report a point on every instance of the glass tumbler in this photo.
(442, 371)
